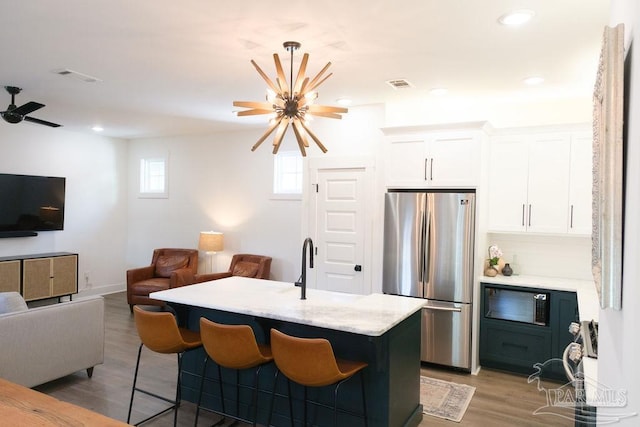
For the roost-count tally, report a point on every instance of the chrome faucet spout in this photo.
(302, 281)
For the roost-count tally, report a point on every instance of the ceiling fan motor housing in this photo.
(10, 116)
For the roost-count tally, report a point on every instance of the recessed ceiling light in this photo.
(97, 128)
(344, 101)
(516, 18)
(533, 80)
(438, 91)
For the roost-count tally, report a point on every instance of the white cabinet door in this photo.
(508, 177)
(405, 162)
(434, 160)
(580, 184)
(453, 159)
(548, 184)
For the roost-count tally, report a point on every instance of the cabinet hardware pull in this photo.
(529, 215)
(454, 309)
(431, 171)
(523, 214)
(571, 218)
(425, 168)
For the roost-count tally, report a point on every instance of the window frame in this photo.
(280, 192)
(145, 175)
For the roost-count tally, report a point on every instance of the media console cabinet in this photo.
(40, 276)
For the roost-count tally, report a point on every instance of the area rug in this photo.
(445, 399)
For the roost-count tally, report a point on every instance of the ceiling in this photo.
(175, 67)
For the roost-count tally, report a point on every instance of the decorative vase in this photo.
(506, 270)
(491, 271)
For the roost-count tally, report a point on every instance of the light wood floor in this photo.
(500, 399)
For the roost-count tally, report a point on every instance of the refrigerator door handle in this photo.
(426, 248)
(453, 309)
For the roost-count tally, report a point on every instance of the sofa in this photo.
(48, 342)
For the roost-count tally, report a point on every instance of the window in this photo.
(287, 174)
(153, 178)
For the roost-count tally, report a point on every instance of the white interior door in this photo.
(338, 207)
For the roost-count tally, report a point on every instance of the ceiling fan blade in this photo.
(265, 77)
(283, 81)
(312, 135)
(301, 71)
(252, 104)
(284, 124)
(41, 122)
(254, 112)
(327, 109)
(27, 108)
(267, 133)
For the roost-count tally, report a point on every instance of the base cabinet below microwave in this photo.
(524, 330)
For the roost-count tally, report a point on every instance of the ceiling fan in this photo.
(15, 114)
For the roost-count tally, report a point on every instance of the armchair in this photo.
(245, 265)
(170, 268)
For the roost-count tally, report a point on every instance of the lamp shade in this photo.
(211, 241)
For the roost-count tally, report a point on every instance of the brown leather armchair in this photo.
(170, 268)
(245, 265)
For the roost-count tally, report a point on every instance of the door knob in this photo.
(358, 267)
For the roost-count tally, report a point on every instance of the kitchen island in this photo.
(382, 330)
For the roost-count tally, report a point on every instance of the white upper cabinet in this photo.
(581, 184)
(508, 182)
(419, 158)
(540, 183)
(548, 184)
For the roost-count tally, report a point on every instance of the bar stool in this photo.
(311, 362)
(159, 332)
(232, 347)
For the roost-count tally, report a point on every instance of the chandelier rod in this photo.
(291, 47)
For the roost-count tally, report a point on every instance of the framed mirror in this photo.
(608, 162)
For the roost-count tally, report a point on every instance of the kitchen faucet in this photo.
(302, 281)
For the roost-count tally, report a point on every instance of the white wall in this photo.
(619, 341)
(217, 183)
(95, 212)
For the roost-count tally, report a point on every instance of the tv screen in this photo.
(31, 203)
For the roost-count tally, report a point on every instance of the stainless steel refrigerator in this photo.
(428, 253)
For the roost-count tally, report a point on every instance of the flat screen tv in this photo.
(30, 203)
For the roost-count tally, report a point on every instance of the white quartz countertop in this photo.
(588, 303)
(371, 315)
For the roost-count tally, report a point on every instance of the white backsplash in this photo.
(549, 256)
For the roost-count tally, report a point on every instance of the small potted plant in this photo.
(493, 267)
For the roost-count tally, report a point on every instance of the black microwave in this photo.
(517, 305)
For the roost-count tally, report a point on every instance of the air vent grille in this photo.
(399, 84)
(77, 75)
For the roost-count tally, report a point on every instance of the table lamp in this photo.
(211, 242)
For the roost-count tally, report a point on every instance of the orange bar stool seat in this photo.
(232, 347)
(159, 332)
(311, 362)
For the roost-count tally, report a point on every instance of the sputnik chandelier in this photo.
(290, 103)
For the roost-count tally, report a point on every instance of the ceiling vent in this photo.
(399, 84)
(78, 76)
